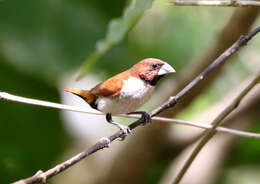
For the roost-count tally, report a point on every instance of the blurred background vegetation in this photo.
(43, 43)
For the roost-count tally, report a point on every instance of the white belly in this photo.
(133, 95)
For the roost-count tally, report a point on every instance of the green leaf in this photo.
(117, 29)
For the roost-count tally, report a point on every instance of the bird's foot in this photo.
(126, 130)
(145, 118)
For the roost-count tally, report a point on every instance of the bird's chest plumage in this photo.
(133, 95)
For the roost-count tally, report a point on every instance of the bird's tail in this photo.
(84, 94)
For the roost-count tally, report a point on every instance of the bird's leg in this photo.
(126, 130)
(145, 118)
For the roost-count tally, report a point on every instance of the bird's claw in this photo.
(146, 118)
(126, 130)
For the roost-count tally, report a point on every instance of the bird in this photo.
(126, 91)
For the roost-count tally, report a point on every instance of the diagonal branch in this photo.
(242, 41)
(171, 102)
(231, 3)
(208, 134)
(155, 140)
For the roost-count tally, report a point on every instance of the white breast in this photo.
(134, 94)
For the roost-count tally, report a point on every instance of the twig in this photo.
(169, 103)
(208, 126)
(242, 41)
(232, 3)
(208, 134)
(8, 96)
(41, 177)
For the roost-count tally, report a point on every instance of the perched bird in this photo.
(126, 91)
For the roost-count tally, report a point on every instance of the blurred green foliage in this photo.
(31, 137)
(245, 153)
(42, 40)
(46, 38)
(39, 41)
(117, 30)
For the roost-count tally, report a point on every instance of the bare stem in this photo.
(7, 96)
(172, 101)
(231, 3)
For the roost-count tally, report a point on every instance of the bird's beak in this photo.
(165, 69)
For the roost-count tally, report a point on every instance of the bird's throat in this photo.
(154, 81)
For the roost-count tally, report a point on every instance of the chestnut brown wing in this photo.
(111, 87)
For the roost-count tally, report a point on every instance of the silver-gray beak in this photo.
(165, 69)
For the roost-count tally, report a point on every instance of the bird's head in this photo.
(151, 70)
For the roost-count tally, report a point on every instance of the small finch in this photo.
(126, 91)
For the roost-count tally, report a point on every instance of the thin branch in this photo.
(208, 134)
(7, 96)
(172, 101)
(208, 126)
(232, 3)
(158, 135)
(155, 139)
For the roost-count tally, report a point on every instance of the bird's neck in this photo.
(154, 81)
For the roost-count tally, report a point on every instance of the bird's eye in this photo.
(155, 66)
